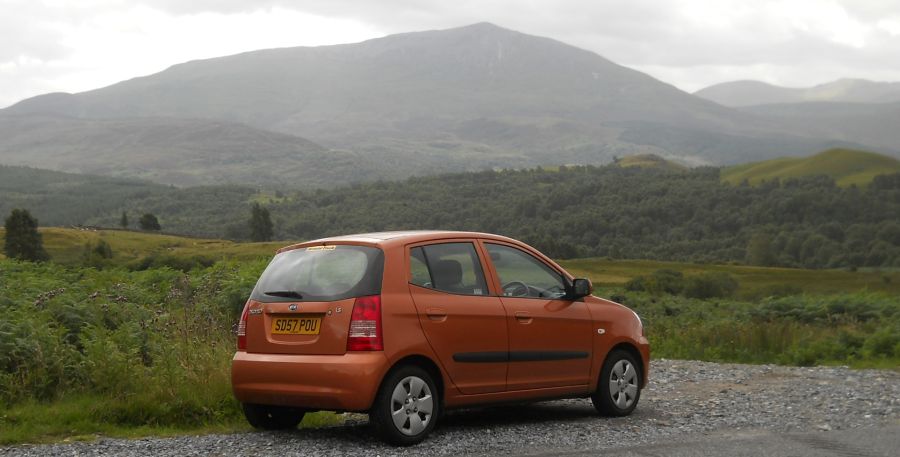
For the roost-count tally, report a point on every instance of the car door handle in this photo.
(523, 317)
(436, 314)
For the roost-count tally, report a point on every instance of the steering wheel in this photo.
(516, 289)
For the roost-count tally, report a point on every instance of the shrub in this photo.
(710, 285)
(661, 281)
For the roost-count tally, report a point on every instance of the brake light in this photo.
(242, 328)
(365, 325)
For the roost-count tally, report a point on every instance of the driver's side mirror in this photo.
(581, 287)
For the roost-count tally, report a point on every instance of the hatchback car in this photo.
(403, 325)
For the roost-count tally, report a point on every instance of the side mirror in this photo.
(581, 287)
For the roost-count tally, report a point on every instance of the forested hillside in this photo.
(620, 212)
(588, 211)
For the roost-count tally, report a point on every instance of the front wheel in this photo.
(619, 388)
(268, 417)
(406, 407)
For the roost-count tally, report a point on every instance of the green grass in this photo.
(77, 418)
(81, 418)
(846, 166)
(606, 273)
(66, 246)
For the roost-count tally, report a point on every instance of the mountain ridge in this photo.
(473, 97)
(745, 93)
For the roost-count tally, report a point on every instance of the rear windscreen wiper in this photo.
(285, 293)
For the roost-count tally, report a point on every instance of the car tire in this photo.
(268, 417)
(619, 388)
(406, 407)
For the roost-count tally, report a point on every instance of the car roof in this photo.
(387, 239)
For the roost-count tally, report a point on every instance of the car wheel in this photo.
(619, 388)
(407, 406)
(268, 417)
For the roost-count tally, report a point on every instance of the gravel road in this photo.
(685, 399)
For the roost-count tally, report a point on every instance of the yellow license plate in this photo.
(297, 326)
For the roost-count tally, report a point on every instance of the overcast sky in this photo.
(72, 46)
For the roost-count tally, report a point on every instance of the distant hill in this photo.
(845, 166)
(182, 152)
(749, 93)
(468, 98)
(57, 198)
(649, 161)
(874, 124)
(62, 199)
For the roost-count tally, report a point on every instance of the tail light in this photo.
(242, 328)
(365, 325)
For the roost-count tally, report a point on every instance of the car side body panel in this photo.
(350, 381)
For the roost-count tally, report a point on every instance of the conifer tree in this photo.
(23, 241)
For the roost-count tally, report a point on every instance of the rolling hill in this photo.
(749, 93)
(469, 98)
(649, 161)
(845, 166)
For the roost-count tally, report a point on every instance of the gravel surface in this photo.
(684, 399)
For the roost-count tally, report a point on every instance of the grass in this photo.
(76, 419)
(606, 273)
(80, 418)
(66, 245)
(846, 166)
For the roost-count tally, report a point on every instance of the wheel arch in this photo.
(633, 350)
(424, 363)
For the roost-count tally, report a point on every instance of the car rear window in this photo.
(321, 273)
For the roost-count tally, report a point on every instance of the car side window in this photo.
(448, 267)
(523, 275)
(418, 268)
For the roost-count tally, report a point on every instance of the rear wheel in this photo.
(619, 388)
(267, 417)
(406, 407)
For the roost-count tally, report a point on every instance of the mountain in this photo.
(172, 151)
(749, 93)
(874, 124)
(845, 166)
(417, 103)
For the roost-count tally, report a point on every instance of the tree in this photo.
(124, 220)
(149, 222)
(759, 250)
(23, 241)
(260, 224)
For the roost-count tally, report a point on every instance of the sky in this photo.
(73, 46)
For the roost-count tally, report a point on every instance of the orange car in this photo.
(405, 324)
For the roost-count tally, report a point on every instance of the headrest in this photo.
(447, 273)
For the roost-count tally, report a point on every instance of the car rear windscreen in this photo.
(321, 273)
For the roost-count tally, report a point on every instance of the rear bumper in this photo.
(346, 382)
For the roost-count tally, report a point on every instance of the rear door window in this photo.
(321, 273)
(448, 267)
